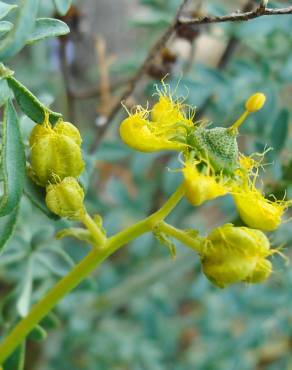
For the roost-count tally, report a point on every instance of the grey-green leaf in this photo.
(7, 226)
(23, 302)
(5, 27)
(12, 161)
(23, 26)
(29, 103)
(6, 8)
(47, 27)
(279, 131)
(5, 92)
(63, 6)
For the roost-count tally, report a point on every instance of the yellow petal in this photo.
(135, 132)
(258, 212)
(201, 188)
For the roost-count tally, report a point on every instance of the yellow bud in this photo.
(201, 188)
(233, 254)
(55, 152)
(65, 199)
(258, 212)
(255, 102)
(261, 272)
(69, 130)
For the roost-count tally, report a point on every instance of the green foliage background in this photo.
(141, 310)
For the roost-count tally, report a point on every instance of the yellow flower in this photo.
(233, 254)
(147, 136)
(166, 129)
(65, 198)
(257, 211)
(202, 187)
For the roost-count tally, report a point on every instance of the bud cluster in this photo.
(56, 162)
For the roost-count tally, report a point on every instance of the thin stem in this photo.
(182, 236)
(94, 230)
(239, 121)
(94, 258)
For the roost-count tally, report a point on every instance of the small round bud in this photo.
(255, 102)
(55, 151)
(65, 199)
(233, 254)
(69, 130)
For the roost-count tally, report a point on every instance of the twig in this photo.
(66, 79)
(236, 17)
(140, 72)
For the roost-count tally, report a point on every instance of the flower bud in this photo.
(69, 130)
(65, 199)
(255, 102)
(54, 151)
(233, 254)
(201, 188)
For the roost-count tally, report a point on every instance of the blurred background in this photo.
(142, 310)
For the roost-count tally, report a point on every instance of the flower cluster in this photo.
(56, 162)
(214, 167)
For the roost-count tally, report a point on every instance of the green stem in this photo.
(94, 230)
(182, 236)
(81, 271)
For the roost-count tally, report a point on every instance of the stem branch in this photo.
(94, 258)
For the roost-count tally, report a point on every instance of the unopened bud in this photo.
(55, 151)
(255, 102)
(65, 199)
(233, 254)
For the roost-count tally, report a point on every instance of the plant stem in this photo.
(94, 258)
(94, 230)
(182, 236)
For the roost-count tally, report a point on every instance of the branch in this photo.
(235, 17)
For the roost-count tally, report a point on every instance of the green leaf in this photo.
(279, 132)
(23, 302)
(29, 104)
(165, 240)
(5, 92)
(47, 27)
(13, 161)
(37, 334)
(5, 27)
(63, 6)
(7, 225)
(6, 8)
(51, 321)
(36, 195)
(23, 26)
(76, 232)
(16, 360)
